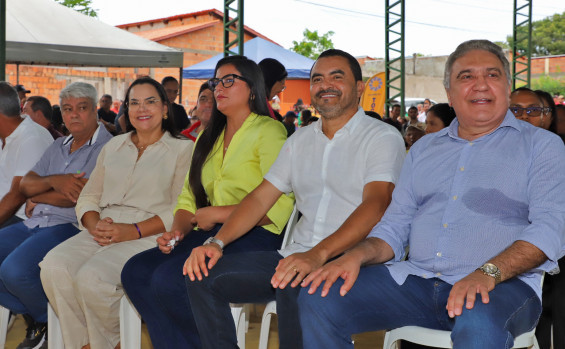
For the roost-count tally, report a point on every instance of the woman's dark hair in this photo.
(167, 124)
(544, 96)
(444, 112)
(273, 71)
(305, 115)
(257, 103)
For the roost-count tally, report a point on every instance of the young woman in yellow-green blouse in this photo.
(230, 158)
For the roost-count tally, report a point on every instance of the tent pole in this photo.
(180, 85)
(17, 73)
(2, 40)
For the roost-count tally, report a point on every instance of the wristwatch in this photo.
(213, 240)
(491, 270)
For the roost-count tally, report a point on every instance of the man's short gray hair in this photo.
(9, 100)
(79, 90)
(471, 45)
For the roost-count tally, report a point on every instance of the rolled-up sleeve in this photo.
(386, 167)
(271, 140)
(89, 199)
(546, 201)
(394, 227)
(181, 172)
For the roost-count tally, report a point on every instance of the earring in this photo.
(165, 116)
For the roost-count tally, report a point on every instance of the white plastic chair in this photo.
(54, 334)
(442, 339)
(4, 318)
(130, 321)
(271, 307)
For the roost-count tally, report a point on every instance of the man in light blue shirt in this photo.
(480, 204)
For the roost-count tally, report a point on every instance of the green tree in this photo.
(313, 44)
(503, 45)
(82, 6)
(548, 36)
(549, 84)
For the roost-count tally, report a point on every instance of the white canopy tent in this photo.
(47, 33)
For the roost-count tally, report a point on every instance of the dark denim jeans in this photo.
(377, 302)
(154, 283)
(21, 250)
(242, 278)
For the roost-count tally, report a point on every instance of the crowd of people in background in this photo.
(86, 193)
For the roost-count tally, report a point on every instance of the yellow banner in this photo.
(373, 98)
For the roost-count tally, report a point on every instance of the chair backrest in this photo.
(287, 239)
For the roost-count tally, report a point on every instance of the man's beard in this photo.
(333, 111)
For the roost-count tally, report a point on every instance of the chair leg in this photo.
(389, 342)
(54, 334)
(130, 325)
(4, 318)
(270, 309)
(240, 314)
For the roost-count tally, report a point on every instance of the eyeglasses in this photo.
(149, 103)
(546, 110)
(530, 111)
(227, 81)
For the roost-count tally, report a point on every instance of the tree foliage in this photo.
(313, 44)
(548, 36)
(549, 84)
(82, 6)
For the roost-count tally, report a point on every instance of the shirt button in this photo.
(461, 168)
(438, 254)
(438, 274)
(471, 143)
(445, 225)
(424, 276)
(454, 197)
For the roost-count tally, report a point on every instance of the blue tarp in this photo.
(257, 49)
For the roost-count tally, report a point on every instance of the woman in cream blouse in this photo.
(230, 158)
(127, 201)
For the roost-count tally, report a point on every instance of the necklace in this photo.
(141, 148)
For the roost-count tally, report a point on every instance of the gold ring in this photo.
(295, 270)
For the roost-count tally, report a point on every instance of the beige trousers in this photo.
(83, 284)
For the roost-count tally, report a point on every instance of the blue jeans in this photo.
(377, 302)
(242, 278)
(155, 285)
(21, 251)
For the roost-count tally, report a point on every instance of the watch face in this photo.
(489, 268)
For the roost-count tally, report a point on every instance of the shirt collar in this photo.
(91, 141)
(18, 129)
(165, 139)
(509, 121)
(349, 127)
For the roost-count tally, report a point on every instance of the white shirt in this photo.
(422, 117)
(328, 176)
(22, 149)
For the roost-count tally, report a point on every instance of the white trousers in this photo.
(82, 281)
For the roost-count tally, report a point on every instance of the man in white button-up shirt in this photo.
(23, 143)
(342, 171)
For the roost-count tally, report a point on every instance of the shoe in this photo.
(36, 335)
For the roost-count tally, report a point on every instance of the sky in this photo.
(433, 27)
